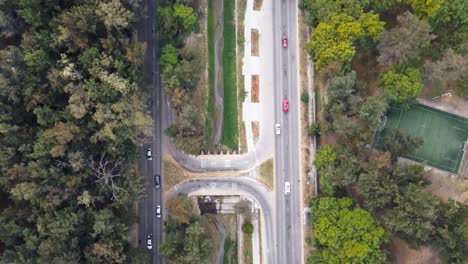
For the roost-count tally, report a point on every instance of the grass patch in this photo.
(230, 125)
(241, 8)
(211, 63)
(173, 174)
(227, 249)
(266, 173)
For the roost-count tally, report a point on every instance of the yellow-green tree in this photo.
(345, 233)
(334, 39)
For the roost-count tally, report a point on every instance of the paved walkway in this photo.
(263, 67)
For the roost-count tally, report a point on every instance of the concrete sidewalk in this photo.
(262, 66)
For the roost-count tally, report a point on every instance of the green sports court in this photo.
(444, 134)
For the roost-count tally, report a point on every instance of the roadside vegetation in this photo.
(71, 118)
(183, 64)
(408, 46)
(186, 240)
(230, 124)
(211, 73)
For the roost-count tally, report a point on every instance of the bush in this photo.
(247, 227)
(314, 129)
(308, 241)
(171, 131)
(305, 97)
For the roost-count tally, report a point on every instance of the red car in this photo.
(285, 105)
(285, 41)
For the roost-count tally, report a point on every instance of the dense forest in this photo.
(408, 46)
(71, 117)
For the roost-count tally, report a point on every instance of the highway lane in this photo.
(148, 223)
(287, 152)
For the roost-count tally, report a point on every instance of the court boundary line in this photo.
(461, 120)
(429, 162)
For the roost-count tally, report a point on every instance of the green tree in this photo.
(426, 7)
(333, 40)
(401, 86)
(181, 208)
(451, 68)
(326, 156)
(372, 110)
(114, 15)
(186, 243)
(169, 57)
(186, 16)
(407, 41)
(384, 5)
(399, 143)
(345, 233)
(322, 10)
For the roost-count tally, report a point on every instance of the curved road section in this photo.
(237, 186)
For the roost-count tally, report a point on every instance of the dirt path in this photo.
(222, 232)
(218, 7)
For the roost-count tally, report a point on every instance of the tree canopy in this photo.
(404, 42)
(401, 86)
(345, 233)
(71, 119)
(334, 38)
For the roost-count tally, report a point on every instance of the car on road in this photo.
(149, 154)
(157, 181)
(278, 129)
(287, 188)
(284, 41)
(285, 105)
(158, 211)
(149, 241)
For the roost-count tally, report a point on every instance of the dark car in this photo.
(157, 181)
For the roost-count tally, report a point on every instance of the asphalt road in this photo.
(237, 186)
(287, 151)
(283, 236)
(148, 223)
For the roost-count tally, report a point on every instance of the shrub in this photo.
(305, 97)
(314, 129)
(247, 227)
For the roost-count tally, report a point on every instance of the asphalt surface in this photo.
(237, 186)
(148, 223)
(281, 223)
(287, 152)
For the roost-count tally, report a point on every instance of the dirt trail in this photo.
(218, 7)
(222, 232)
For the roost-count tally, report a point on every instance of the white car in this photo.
(278, 129)
(149, 241)
(149, 154)
(287, 188)
(158, 211)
